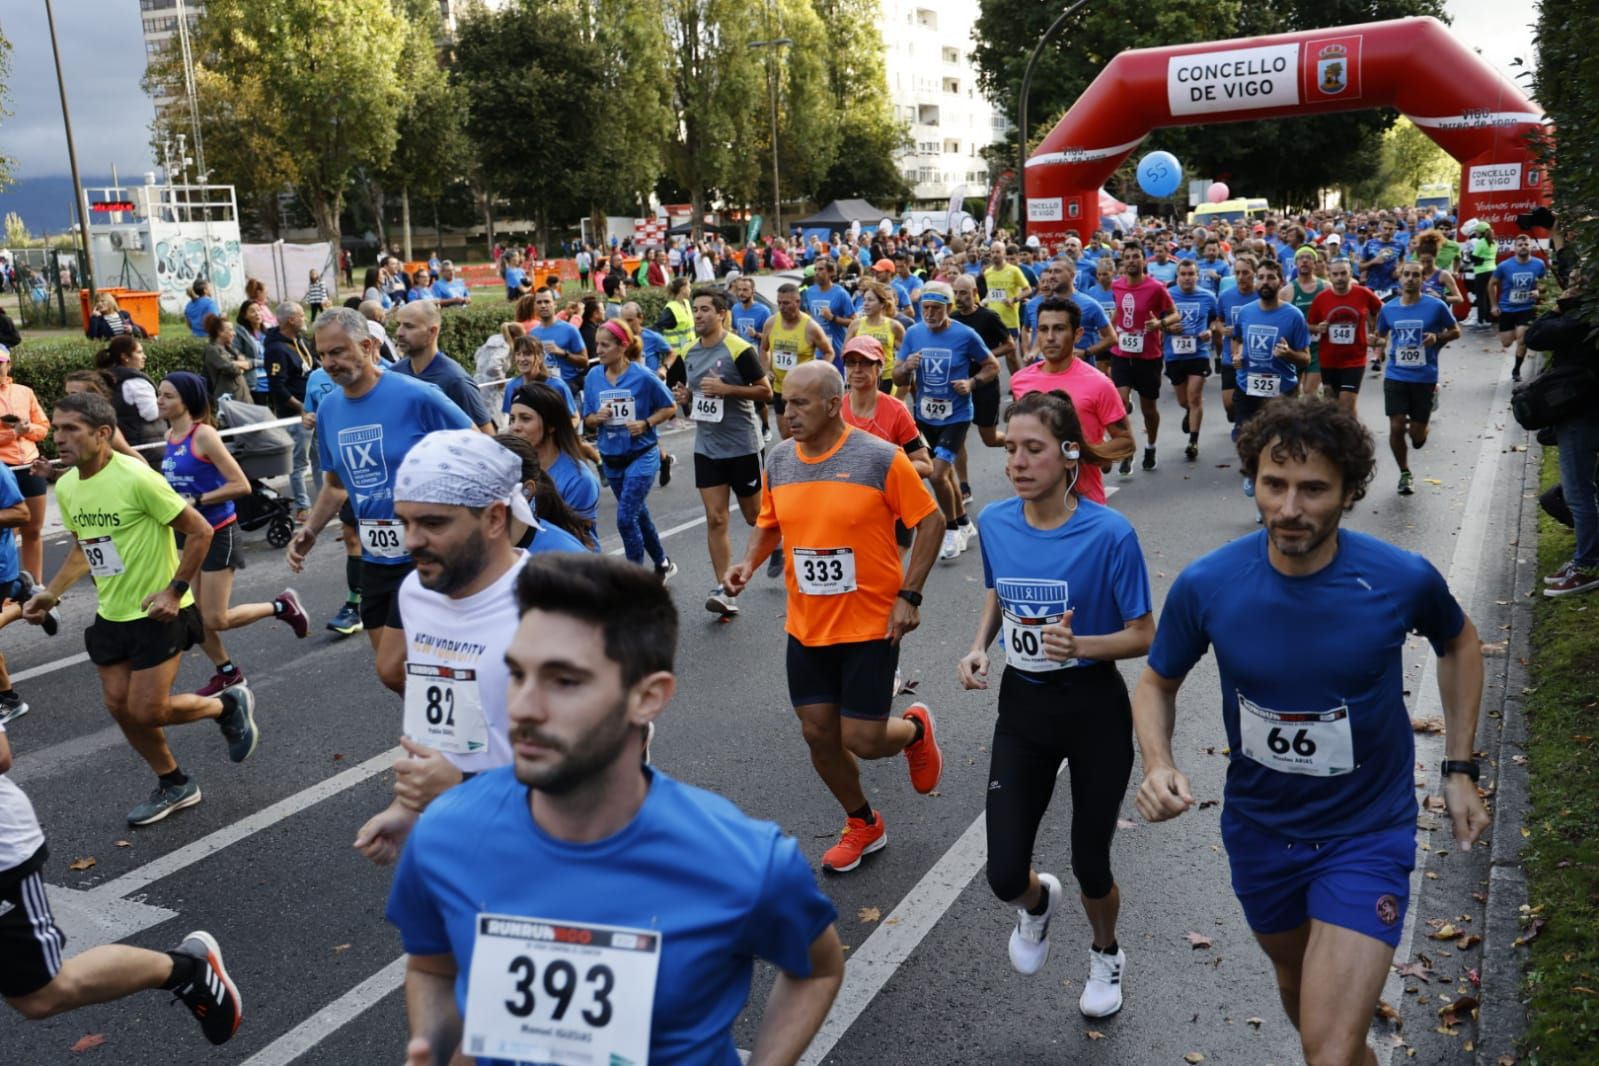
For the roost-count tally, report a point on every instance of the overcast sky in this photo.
(103, 57)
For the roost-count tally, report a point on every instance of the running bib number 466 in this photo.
(560, 992)
(1314, 743)
(706, 408)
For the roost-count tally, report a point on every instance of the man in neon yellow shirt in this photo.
(1007, 290)
(122, 515)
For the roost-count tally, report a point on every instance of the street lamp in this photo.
(1021, 112)
(72, 156)
(771, 81)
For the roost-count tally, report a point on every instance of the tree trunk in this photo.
(405, 221)
(697, 205)
(326, 210)
(488, 224)
(376, 199)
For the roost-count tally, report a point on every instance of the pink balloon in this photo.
(1217, 192)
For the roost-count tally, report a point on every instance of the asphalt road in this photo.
(265, 862)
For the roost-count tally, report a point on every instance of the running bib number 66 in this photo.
(560, 992)
(1314, 743)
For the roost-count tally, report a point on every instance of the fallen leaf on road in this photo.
(1095, 1034)
(1534, 927)
(1388, 1014)
(1468, 941)
(1447, 1031)
(1432, 481)
(868, 914)
(124, 843)
(338, 757)
(1420, 971)
(1256, 1022)
(1498, 649)
(1431, 724)
(1447, 931)
(1197, 940)
(1204, 804)
(1506, 1060)
(92, 1040)
(1451, 1013)
(1193, 1058)
(81, 864)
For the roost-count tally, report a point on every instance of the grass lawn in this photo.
(1562, 857)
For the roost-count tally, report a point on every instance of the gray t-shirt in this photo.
(725, 428)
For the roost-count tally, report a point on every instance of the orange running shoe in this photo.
(859, 840)
(926, 761)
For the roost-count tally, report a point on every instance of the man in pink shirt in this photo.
(1142, 314)
(1100, 407)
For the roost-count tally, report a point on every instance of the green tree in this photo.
(640, 119)
(1567, 85)
(1408, 158)
(808, 126)
(717, 91)
(870, 138)
(313, 83)
(17, 235)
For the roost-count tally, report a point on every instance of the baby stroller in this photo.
(262, 454)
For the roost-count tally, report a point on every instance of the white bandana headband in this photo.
(463, 468)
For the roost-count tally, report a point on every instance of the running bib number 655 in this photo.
(560, 992)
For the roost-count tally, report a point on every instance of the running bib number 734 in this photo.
(558, 992)
(1314, 743)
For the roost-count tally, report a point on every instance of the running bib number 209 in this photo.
(557, 992)
(1314, 743)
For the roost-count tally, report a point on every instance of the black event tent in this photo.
(840, 213)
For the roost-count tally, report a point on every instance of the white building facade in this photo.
(932, 81)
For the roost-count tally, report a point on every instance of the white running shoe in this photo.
(1102, 995)
(1029, 941)
(952, 545)
(968, 534)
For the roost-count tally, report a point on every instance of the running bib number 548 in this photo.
(560, 992)
(1314, 743)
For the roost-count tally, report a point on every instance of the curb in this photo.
(1502, 1018)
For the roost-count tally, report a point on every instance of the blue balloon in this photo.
(1159, 174)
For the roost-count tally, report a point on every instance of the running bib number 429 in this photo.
(937, 408)
(1314, 743)
(560, 992)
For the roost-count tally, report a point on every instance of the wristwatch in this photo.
(180, 587)
(1468, 767)
(911, 597)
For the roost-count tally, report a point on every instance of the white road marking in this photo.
(67, 755)
(90, 921)
(1464, 572)
(50, 667)
(305, 1036)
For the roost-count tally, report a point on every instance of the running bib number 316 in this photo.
(1314, 743)
(558, 992)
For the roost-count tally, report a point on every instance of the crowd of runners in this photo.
(560, 897)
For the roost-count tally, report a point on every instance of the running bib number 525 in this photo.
(383, 537)
(559, 992)
(1262, 385)
(1315, 743)
(824, 571)
(103, 557)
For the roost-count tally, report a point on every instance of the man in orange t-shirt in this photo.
(831, 497)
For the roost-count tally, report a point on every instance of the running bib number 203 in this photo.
(102, 555)
(548, 991)
(1314, 743)
(383, 537)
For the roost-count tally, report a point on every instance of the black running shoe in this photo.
(667, 462)
(211, 996)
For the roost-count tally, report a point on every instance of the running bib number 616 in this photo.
(560, 992)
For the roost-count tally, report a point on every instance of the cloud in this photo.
(102, 56)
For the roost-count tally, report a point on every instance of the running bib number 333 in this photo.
(1314, 743)
(560, 992)
(824, 571)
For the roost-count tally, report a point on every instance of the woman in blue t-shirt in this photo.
(538, 416)
(1068, 586)
(200, 469)
(527, 355)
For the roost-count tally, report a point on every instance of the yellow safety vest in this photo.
(681, 335)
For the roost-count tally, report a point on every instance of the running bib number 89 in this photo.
(559, 992)
(102, 556)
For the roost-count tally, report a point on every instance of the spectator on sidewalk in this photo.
(1569, 340)
(108, 320)
(202, 304)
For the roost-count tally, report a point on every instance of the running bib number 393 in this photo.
(104, 559)
(1024, 644)
(937, 408)
(705, 408)
(1314, 743)
(824, 571)
(383, 537)
(443, 708)
(547, 991)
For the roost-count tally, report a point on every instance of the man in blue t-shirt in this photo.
(1411, 330)
(561, 909)
(1271, 343)
(564, 349)
(1055, 281)
(364, 428)
(1319, 815)
(1514, 290)
(749, 317)
(449, 290)
(1188, 349)
(1212, 267)
(1380, 257)
(945, 361)
(829, 304)
(416, 334)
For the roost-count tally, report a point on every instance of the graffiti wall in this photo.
(186, 251)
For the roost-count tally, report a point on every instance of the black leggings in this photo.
(1081, 715)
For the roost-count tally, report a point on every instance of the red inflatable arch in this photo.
(1415, 65)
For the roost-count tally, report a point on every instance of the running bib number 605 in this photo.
(560, 992)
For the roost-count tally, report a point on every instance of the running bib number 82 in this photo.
(559, 992)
